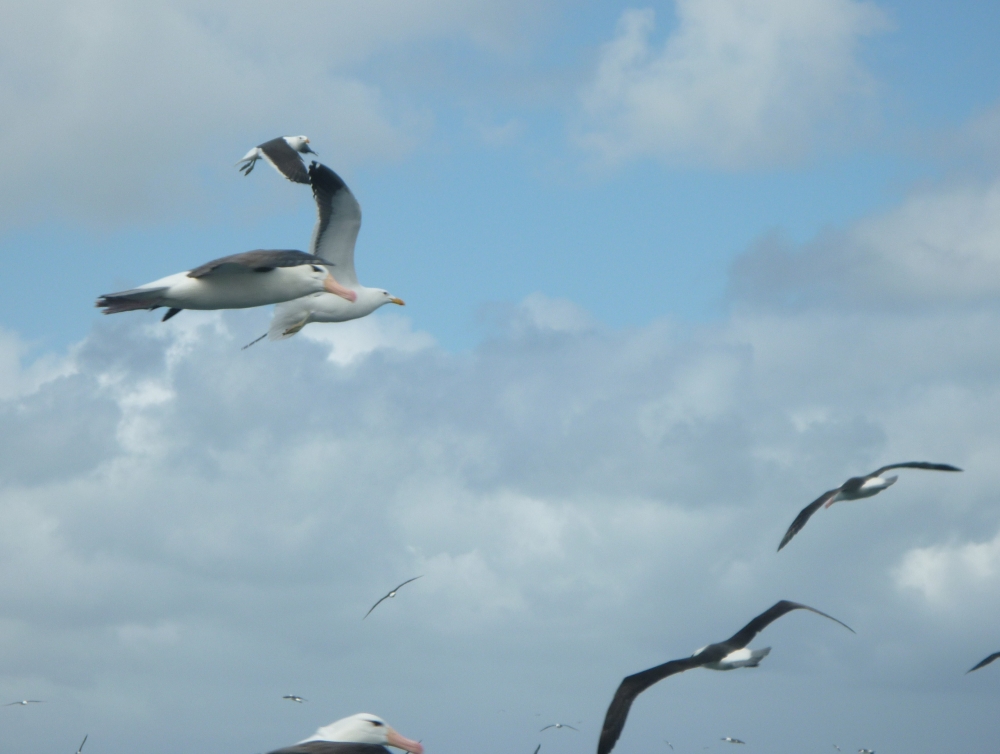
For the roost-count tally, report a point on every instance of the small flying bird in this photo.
(855, 488)
(669, 744)
(24, 702)
(866, 751)
(283, 154)
(725, 655)
(239, 281)
(391, 594)
(731, 740)
(983, 663)
(293, 698)
(559, 725)
(358, 734)
(80, 750)
(836, 747)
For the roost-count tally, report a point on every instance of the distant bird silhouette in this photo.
(712, 655)
(391, 594)
(80, 750)
(24, 702)
(293, 698)
(983, 663)
(730, 740)
(284, 154)
(559, 725)
(855, 488)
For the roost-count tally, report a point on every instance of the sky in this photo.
(671, 271)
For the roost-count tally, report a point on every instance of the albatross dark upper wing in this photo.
(916, 465)
(260, 260)
(629, 689)
(983, 662)
(746, 634)
(805, 514)
(332, 747)
(286, 160)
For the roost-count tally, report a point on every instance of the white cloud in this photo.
(124, 112)
(947, 575)
(737, 83)
(939, 247)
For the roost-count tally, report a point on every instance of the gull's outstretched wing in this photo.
(338, 223)
(746, 634)
(628, 690)
(916, 465)
(984, 662)
(805, 514)
(260, 260)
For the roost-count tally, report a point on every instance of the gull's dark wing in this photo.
(630, 688)
(407, 582)
(376, 605)
(805, 514)
(983, 662)
(545, 729)
(286, 160)
(332, 747)
(338, 222)
(916, 465)
(260, 260)
(746, 634)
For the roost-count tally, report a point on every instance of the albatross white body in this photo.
(362, 728)
(740, 658)
(334, 237)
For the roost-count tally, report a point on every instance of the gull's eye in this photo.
(316, 269)
(376, 723)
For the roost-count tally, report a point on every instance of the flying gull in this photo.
(731, 740)
(391, 594)
(856, 488)
(24, 702)
(253, 278)
(334, 236)
(80, 750)
(983, 663)
(560, 725)
(293, 698)
(283, 154)
(357, 734)
(726, 655)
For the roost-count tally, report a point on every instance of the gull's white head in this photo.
(364, 728)
(299, 144)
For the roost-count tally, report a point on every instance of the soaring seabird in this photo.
(80, 750)
(715, 656)
(983, 663)
(357, 734)
(24, 702)
(731, 740)
(856, 488)
(253, 278)
(334, 236)
(391, 594)
(560, 725)
(293, 698)
(283, 154)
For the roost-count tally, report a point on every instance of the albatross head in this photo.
(364, 728)
(299, 144)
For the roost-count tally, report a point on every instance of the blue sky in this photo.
(671, 271)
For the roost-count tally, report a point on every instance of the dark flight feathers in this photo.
(984, 662)
(260, 260)
(332, 747)
(633, 685)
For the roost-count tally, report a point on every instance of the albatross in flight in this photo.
(725, 655)
(334, 236)
(856, 488)
(253, 278)
(559, 725)
(24, 702)
(357, 734)
(283, 154)
(391, 594)
(983, 663)
(293, 698)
